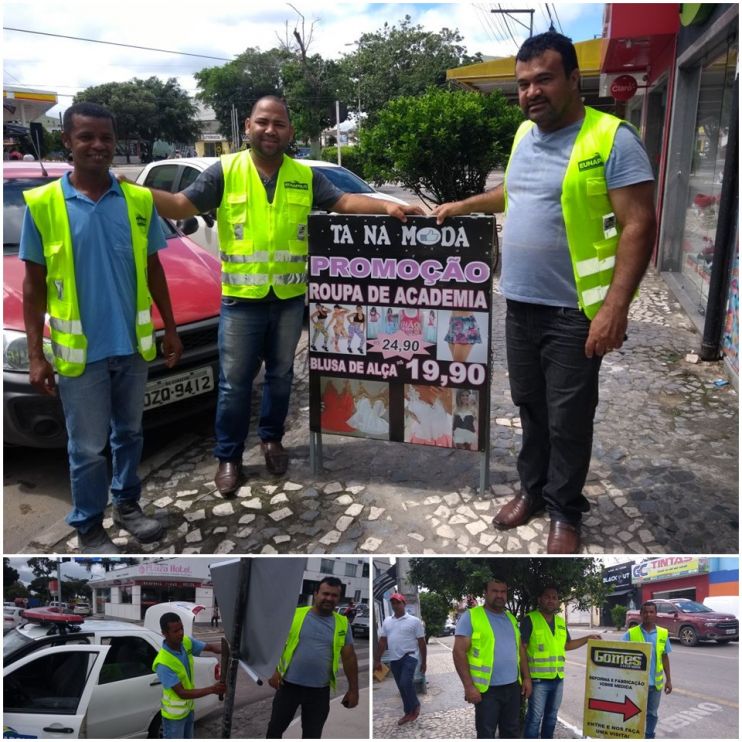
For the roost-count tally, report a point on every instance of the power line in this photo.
(115, 43)
(556, 15)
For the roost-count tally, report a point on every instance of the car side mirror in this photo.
(189, 225)
(209, 219)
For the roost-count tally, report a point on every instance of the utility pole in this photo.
(337, 119)
(510, 12)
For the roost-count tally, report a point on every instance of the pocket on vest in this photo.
(598, 202)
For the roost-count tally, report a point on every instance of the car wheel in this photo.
(688, 636)
(155, 728)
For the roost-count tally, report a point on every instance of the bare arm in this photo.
(381, 648)
(41, 373)
(524, 672)
(461, 646)
(350, 667)
(172, 348)
(489, 202)
(666, 668)
(423, 647)
(634, 210)
(214, 648)
(217, 689)
(357, 203)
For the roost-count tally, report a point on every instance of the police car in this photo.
(70, 677)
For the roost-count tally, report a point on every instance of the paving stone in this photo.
(281, 514)
(332, 488)
(330, 538)
(279, 498)
(224, 509)
(344, 500)
(254, 503)
(219, 530)
(196, 516)
(194, 536)
(292, 486)
(354, 510)
(343, 522)
(245, 519)
(371, 544)
(225, 547)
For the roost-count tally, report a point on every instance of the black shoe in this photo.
(96, 541)
(129, 516)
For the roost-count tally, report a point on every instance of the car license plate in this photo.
(179, 386)
(731, 631)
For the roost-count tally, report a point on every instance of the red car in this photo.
(194, 280)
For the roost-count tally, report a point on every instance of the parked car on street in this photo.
(11, 617)
(175, 175)
(65, 676)
(362, 622)
(194, 281)
(690, 622)
(82, 608)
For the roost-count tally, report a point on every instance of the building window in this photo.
(351, 569)
(364, 573)
(327, 566)
(125, 593)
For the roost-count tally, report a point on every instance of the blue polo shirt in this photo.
(105, 273)
(651, 638)
(167, 677)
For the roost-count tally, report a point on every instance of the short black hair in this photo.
(648, 604)
(537, 45)
(167, 618)
(332, 582)
(495, 578)
(86, 108)
(548, 586)
(272, 99)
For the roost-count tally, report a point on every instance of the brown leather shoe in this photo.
(518, 511)
(404, 719)
(564, 538)
(227, 477)
(414, 714)
(276, 457)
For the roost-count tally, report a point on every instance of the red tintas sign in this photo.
(623, 87)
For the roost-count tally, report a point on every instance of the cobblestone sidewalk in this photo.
(663, 478)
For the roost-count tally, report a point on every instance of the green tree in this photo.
(443, 144)
(14, 590)
(240, 83)
(434, 610)
(576, 578)
(72, 588)
(618, 616)
(10, 574)
(147, 110)
(399, 60)
(42, 566)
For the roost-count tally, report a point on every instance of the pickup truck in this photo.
(690, 622)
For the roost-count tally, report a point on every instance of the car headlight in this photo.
(709, 623)
(15, 351)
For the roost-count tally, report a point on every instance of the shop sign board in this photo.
(618, 576)
(616, 689)
(400, 316)
(624, 87)
(666, 568)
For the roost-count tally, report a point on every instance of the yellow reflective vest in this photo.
(292, 642)
(263, 244)
(636, 635)
(591, 226)
(49, 212)
(172, 706)
(481, 654)
(545, 650)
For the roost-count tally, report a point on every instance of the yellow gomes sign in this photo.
(616, 689)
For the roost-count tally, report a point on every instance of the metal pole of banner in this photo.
(484, 468)
(315, 452)
(239, 617)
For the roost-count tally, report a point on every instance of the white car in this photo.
(175, 175)
(66, 677)
(11, 617)
(82, 608)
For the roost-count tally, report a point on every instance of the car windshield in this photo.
(14, 207)
(344, 179)
(13, 641)
(692, 607)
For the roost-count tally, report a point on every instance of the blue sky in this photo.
(225, 29)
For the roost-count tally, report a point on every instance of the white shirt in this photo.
(402, 634)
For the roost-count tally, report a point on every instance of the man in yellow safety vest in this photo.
(319, 640)
(491, 662)
(263, 199)
(174, 667)
(90, 249)
(577, 239)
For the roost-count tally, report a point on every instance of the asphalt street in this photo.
(704, 703)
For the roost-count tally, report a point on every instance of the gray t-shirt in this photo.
(536, 265)
(206, 192)
(505, 668)
(311, 664)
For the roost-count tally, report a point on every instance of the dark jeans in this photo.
(499, 707)
(404, 673)
(556, 388)
(315, 706)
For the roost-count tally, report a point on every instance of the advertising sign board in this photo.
(616, 689)
(399, 327)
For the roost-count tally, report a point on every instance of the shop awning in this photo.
(619, 593)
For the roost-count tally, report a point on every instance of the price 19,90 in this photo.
(472, 374)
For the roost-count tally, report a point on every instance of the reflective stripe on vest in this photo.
(172, 705)
(590, 225)
(636, 635)
(292, 642)
(545, 650)
(49, 212)
(481, 654)
(263, 244)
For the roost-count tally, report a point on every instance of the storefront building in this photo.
(696, 578)
(354, 574)
(622, 591)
